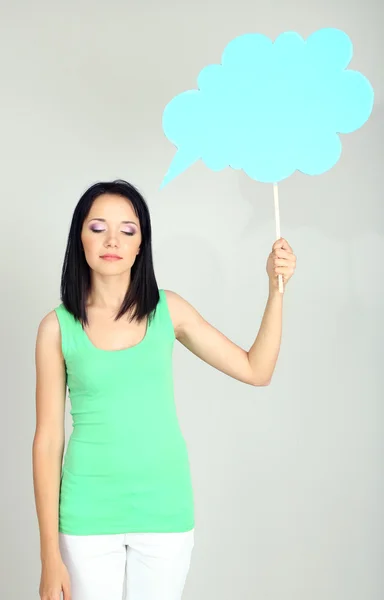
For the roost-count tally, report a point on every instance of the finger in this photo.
(277, 244)
(280, 253)
(286, 246)
(282, 262)
(282, 270)
(67, 593)
(282, 243)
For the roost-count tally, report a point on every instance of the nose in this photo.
(112, 242)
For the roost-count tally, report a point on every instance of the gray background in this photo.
(288, 479)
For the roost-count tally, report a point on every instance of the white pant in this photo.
(127, 566)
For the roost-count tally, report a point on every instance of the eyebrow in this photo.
(104, 220)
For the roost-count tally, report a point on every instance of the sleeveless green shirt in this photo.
(126, 467)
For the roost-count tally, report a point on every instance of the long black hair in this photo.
(143, 293)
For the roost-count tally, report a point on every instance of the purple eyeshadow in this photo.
(131, 230)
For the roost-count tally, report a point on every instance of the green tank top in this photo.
(126, 466)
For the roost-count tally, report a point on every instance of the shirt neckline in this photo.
(120, 350)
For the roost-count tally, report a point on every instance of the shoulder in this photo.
(171, 296)
(49, 327)
(181, 311)
(176, 303)
(49, 324)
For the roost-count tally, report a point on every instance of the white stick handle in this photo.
(278, 234)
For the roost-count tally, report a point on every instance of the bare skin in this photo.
(110, 280)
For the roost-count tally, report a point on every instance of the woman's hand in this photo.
(281, 261)
(54, 580)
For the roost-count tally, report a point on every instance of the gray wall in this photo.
(288, 479)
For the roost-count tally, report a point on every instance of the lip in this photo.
(110, 257)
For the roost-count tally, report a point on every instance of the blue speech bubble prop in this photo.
(270, 108)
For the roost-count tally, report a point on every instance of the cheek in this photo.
(90, 244)
(130, 253)
(131, 246)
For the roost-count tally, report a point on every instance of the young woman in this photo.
(120, 508)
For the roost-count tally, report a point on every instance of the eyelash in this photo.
(101, 230)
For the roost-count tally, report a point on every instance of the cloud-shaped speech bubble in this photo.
(270, 108)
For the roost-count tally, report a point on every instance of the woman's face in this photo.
(111, 227)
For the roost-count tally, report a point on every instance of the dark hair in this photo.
(143, 292)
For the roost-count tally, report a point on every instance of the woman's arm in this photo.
(213, 347)
(264, 351)
(49, 438)
(256, 366)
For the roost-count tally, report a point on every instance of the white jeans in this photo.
(127, 566)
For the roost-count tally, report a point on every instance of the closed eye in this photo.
(101, 230)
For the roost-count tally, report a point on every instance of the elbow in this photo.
(48, 444)
(260, 382)
(258, 377)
